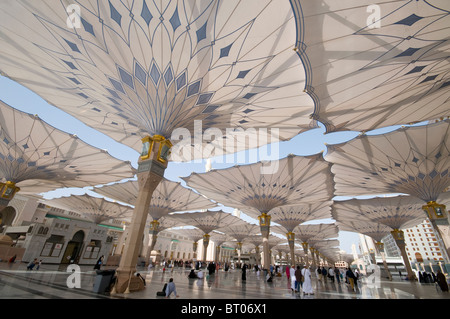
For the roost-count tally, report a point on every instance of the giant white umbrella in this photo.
(397, 212)
(36, 157)
(374, 230)
(201, 76)
(412, 160)
(373, 64)
(96, 209)
(290, 217)
(168, 197)
(261, 187)
(207, 221)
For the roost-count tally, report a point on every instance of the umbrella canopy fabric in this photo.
(373, 64)
(39, 157)
(374, 230)
(240, 231)
(289, 181)
(94, 208)
(412, 160)
(207, 221)
(291, 216)
(168, 197)
(145, 68)
(397, 212)
(308, 233)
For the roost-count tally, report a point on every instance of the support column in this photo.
(312, 250)
(258, 255)
(264, 223)
(152, 164)
(400, 241)
(291, 241)
(217, 254)
(305, 249)
(205, 245)
(194, 248)
(153, 230)
(380, 247)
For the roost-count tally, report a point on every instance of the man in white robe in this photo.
(307, 284)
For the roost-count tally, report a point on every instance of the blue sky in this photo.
(307, 143)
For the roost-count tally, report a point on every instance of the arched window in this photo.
(419, 257)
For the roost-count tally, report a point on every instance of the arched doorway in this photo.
(7, 216)
(73, 250)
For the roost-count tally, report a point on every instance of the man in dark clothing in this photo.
(442, 281)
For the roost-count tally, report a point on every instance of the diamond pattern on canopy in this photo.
(412, 160)
(257, 190)
(96, 209)
(145, 68)
(373, 64)
(39, 158)
(168, 197)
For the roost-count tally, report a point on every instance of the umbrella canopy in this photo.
(373, 64)
(145, 68)
(240, 231)
(39, 158)
(207, 221)
(168, 197)
(94, 208)
(289, 181)
(412, 160)
(308, 233)
(291, 216)
(374, 230)
(397, 212)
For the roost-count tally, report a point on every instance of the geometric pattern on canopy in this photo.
(168, 197)
(412, 160)
(397, 212)
(40, 158)
(93, 208)
(143, 67)
(373, 64)
(295, 179)
(207, 221)
(291, 216)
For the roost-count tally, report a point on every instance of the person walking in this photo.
(244, 272)
(338, 275)
(441, 281)
(171, 288)
(351, 278)
(324, 274)
(331, 274)
(298, 279)
(293, 279)
(307, 284)
(288, 273)
(99, 263)
(31, 264)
